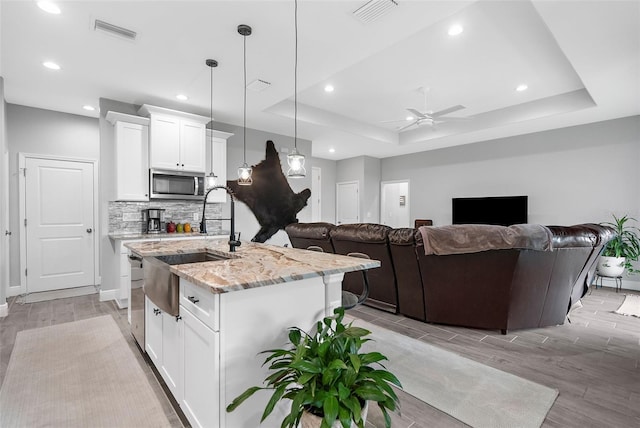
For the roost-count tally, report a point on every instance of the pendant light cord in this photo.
(295, 83)
(211, 124)
(244, 119)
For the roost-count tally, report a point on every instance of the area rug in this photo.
(474, 393)
(630, 306)
(77, 374)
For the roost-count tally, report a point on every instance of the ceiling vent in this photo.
(114, 30)
(373, 10)
(258, 85)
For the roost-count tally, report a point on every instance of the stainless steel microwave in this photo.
(167, 184)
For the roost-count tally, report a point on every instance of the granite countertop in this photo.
(123, 236)
(252, 265)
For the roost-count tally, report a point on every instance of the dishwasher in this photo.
(136, 299)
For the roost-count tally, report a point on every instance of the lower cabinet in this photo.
(186, 354)
(200, 401)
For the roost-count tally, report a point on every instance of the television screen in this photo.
(498, 210)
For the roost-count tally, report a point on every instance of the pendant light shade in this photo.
(295, 159)
(212, 178)
(244, 172)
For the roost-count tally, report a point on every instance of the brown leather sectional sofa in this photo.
(502, 289)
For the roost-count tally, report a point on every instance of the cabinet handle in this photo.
(193, 299)
(178, 318)
(157, 311)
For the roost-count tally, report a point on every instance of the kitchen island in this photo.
(231, 310)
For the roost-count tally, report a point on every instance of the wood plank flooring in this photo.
(594, 362)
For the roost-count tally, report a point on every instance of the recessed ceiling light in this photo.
(455, 29)
(408, 118)
(51, 65)
(332, 150)
(89, 108)
(328, 88)
(182, 97)
(50, 7)
(521, 87)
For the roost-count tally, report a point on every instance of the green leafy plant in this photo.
(324, 374)
(625, 243)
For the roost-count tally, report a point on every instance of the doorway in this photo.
(394, 203)
(59, 210)
(347, 202)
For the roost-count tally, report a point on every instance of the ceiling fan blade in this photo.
(416, 113)
(452, 119)
(408, 126)
(393, 121)
(447, 110)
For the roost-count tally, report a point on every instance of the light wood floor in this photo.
(593, 362)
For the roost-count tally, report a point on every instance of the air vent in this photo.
(115, 30)
(258, 85)
(373, 10)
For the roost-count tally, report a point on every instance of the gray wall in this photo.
(571, 175)
(37, 131)
(4, 196)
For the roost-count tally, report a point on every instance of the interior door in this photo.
(59, 224)
(347, 202)
(316, 192)
(394, 204)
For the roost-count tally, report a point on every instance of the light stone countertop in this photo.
(126, 236)
(252, 265)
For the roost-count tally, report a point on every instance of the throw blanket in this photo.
(473, 238)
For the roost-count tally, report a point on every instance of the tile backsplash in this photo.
(127, 217)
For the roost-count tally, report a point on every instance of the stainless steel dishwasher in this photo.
(136, 299)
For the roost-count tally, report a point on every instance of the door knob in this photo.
(6, 232)
(89, 230)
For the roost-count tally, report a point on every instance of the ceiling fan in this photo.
(428, 117)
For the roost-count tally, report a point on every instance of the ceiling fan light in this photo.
(455, 29)
(296, 164)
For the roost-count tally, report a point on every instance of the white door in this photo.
(316, 192)
(347, 203)
(59, 224)
(394, 203)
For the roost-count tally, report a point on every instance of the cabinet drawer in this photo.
(202, 303)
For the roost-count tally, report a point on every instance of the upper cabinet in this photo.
(177, 139)
(131, 142)
(217, 155)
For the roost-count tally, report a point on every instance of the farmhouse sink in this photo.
(163, 287)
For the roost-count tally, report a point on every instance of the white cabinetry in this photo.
(153, 332)
(177, 139)
(173, 353)
(217, 161)
(131, 142)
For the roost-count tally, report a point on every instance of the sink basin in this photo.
(161, 286)
(179, 259)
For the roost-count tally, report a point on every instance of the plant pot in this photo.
(610, 266)
(309, 420)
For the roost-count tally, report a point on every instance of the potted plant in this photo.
(621, 250)
(327, 380)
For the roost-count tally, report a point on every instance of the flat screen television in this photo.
(497, 210)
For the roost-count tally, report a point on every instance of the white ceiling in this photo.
(580, 59)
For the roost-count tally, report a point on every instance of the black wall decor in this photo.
(270, 197)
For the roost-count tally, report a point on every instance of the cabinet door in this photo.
(172, 354)
(192, 146)
(165, 142)
(132, 162)
(153, 333)
(201, 372)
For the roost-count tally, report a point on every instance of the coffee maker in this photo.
(155, 220)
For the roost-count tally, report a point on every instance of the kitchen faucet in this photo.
(233, 242)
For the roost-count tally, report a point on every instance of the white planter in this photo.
(610, 266)
(310, 420)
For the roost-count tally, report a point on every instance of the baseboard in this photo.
(64, 293)
(4, 309)
(122, 303)
(15, 290)
(109, 295)
(627, 284)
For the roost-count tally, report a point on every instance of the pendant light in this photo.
(244, 172)
(211, 178)
(295, 159)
